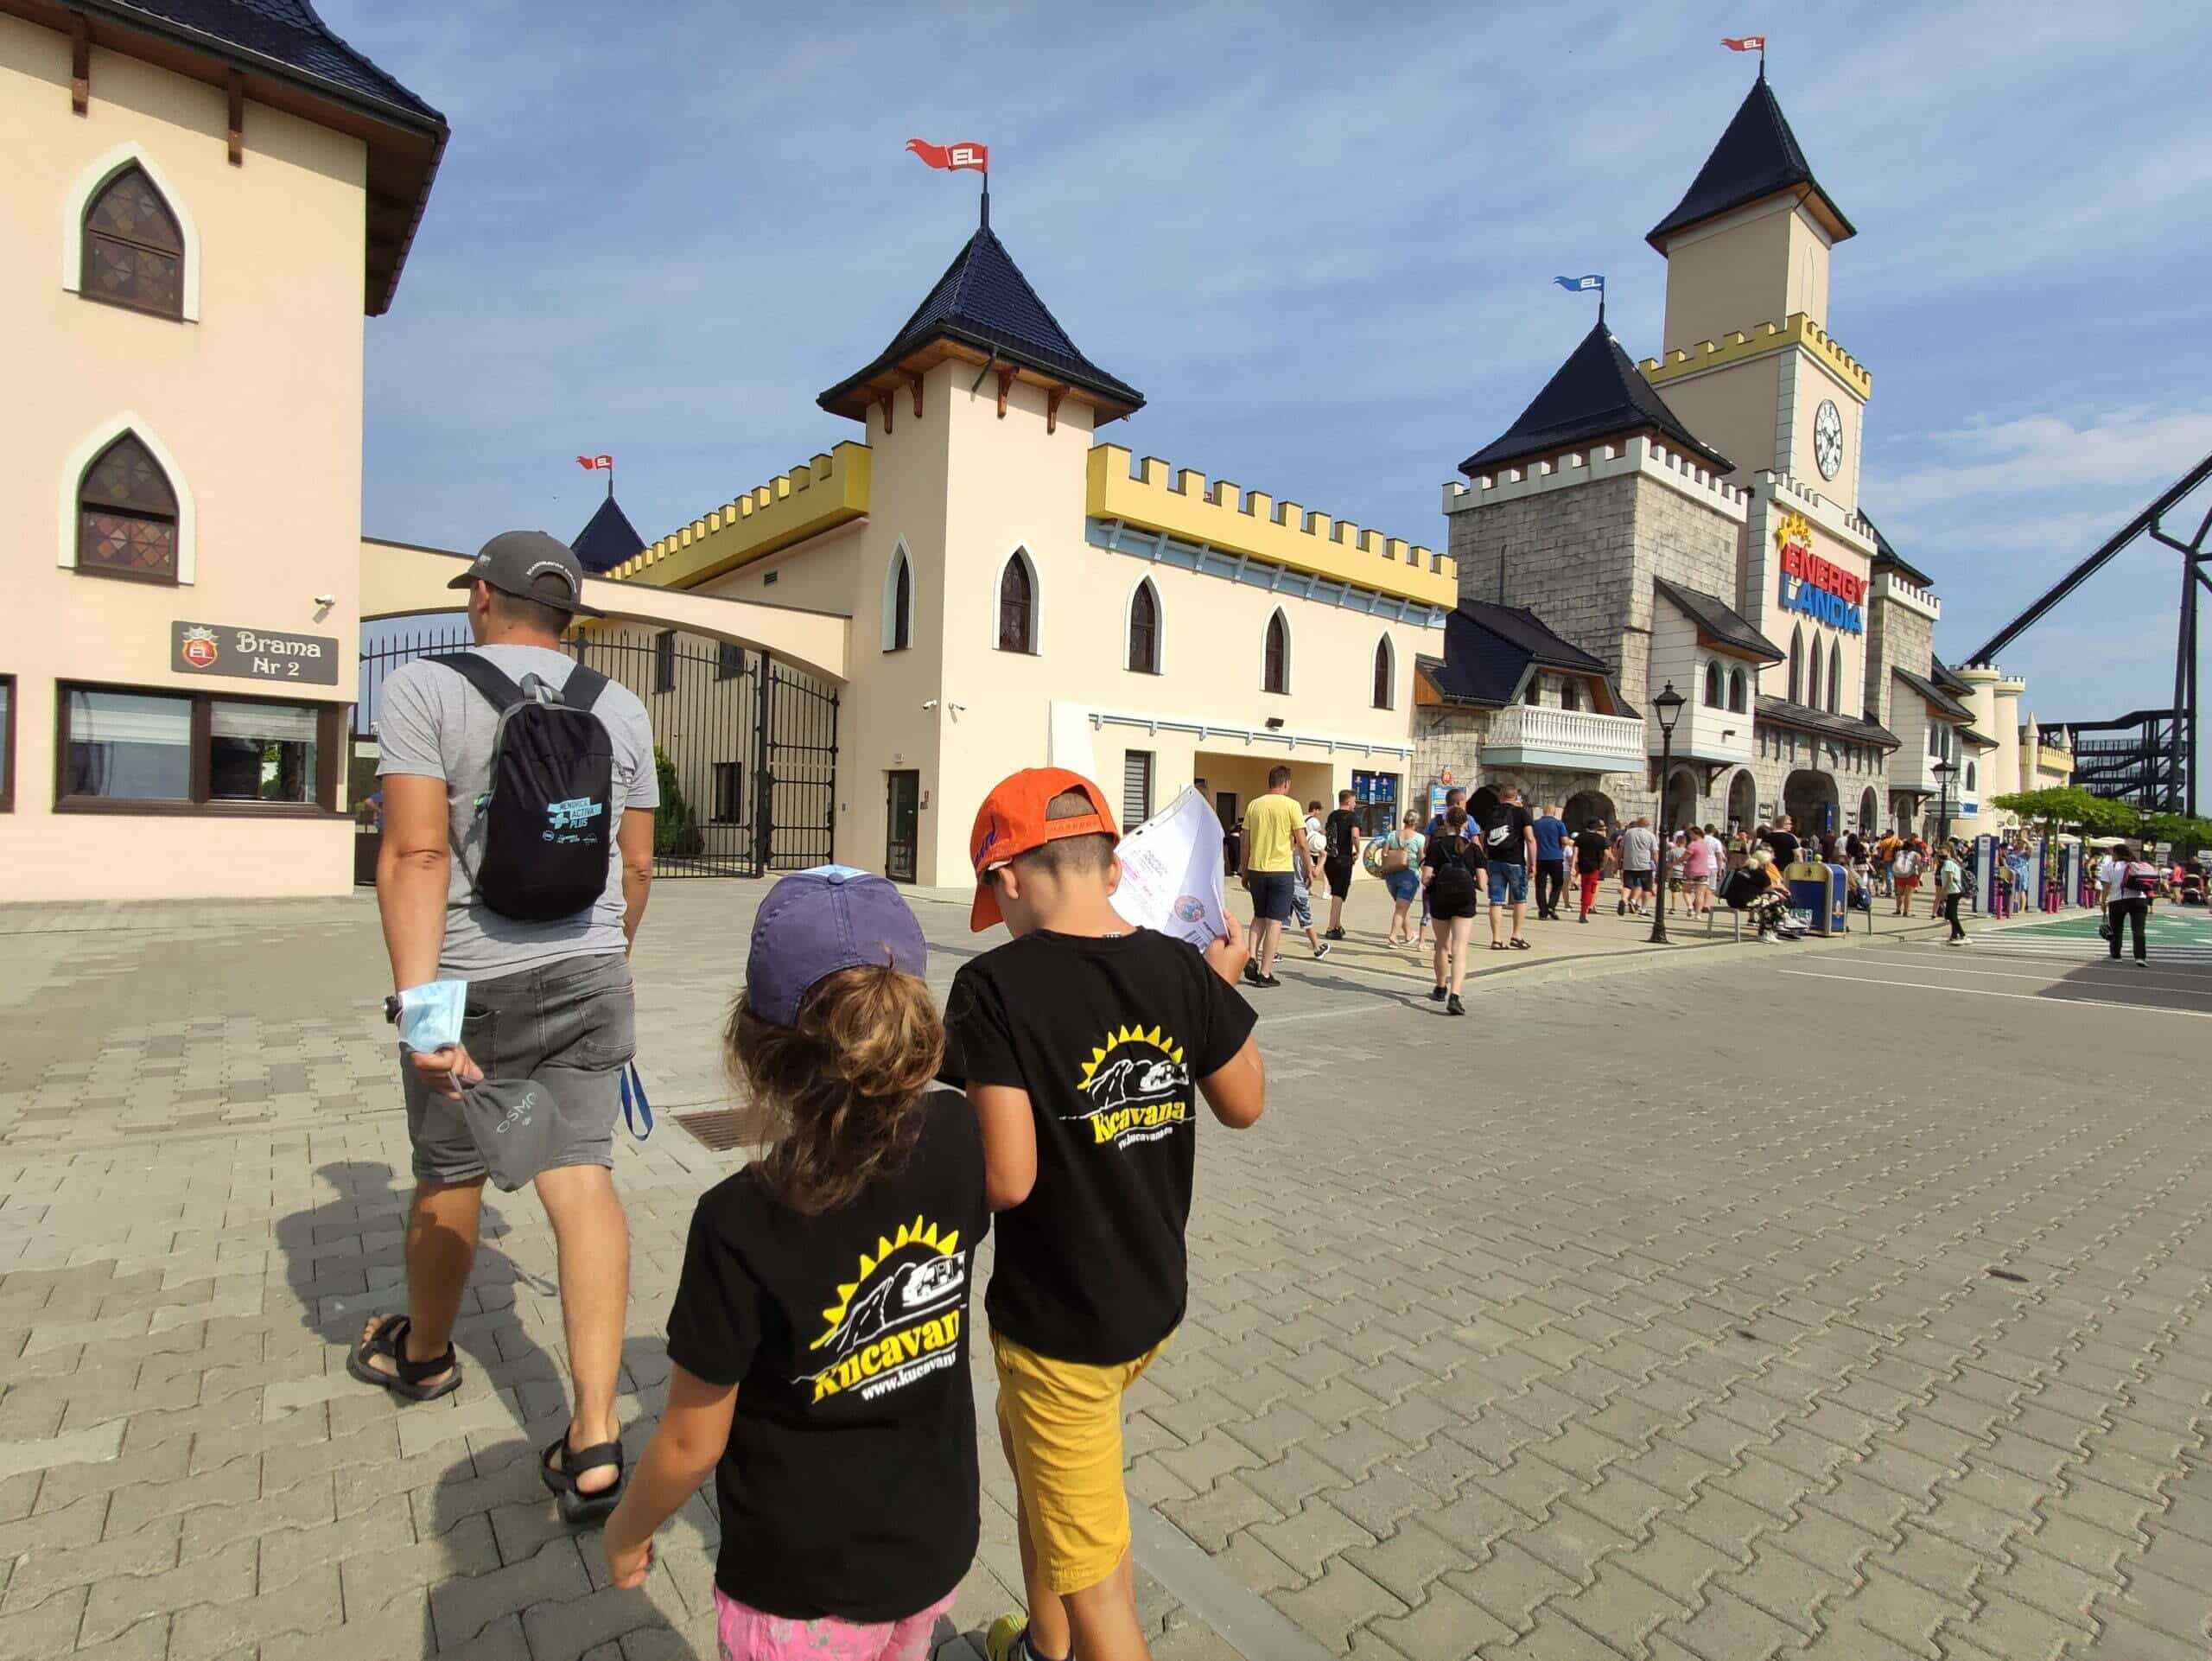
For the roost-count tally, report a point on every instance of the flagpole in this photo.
(987, 196)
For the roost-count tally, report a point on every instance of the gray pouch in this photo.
(512, 1123)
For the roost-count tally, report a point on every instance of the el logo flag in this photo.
(1749, 43)
(952, 157)
(1582, 284)
(596, 463)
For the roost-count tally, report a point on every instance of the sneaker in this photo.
(1322, 950)
(1436, 995)
(1267, 980)
(1453, 1006)
(1959, 941)
(1584, 918)
(1332, 934)
(1620, 908)
(1008, 1639)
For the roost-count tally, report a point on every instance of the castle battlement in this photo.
(1796, 329)
(1894, 586)
(1222, 514)
(1642, 455)
(828, 491)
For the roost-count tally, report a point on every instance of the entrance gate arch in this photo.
(1808, 797)
(1587, 804)
(1742, 801)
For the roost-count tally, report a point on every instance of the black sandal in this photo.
(576, 1506)
(1519, 945)
(407, 1379)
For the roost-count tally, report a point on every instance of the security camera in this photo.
(931, 704)
(326, 600)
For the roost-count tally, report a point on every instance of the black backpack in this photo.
(547, 814)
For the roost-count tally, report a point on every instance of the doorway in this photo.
(1232, 839)
(902, 837)
(1742, 801)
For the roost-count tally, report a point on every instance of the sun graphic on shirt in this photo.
(917, 1233)
(1127, 1036)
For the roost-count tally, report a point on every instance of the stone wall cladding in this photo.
(1897, 638)
(1569, 555)
(1445, 741)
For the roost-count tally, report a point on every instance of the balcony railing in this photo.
(1535, 736)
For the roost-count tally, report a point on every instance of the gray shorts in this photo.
(570, 1025)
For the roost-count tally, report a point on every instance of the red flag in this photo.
(596, 463)
(1749, 43)
(952, 157)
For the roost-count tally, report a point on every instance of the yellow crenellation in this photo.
(1796, 329)
(828, 491)
(1224, 515)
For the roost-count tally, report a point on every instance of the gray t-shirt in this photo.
(1639, 847)
(433, 724)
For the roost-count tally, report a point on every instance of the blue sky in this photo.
(1320, 239)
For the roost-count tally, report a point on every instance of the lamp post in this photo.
(1943, 770)
(1668, 706)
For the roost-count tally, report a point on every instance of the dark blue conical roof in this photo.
(983, 302)
(608, 540)
(1757, 157)
(1597, 393)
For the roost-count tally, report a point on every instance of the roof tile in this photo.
(1597, 393)
(1758, 155)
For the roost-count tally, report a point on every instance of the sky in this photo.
(1320, 239)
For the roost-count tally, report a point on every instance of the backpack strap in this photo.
(582, 690)
(484, 676)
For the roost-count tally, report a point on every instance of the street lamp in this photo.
(1668, 706)
(1943, 770)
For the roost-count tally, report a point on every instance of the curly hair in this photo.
(843, 1087)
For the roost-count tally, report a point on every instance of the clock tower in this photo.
(1749, 364)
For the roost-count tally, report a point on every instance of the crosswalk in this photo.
(2174, 936)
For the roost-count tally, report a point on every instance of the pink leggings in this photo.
(749, 1635)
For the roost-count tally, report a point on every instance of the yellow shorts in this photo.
(1060, 1423)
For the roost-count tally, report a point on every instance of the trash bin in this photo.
(1819, 895)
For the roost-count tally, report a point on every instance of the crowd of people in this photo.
(818, 1339)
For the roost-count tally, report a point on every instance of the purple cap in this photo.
(813, 923)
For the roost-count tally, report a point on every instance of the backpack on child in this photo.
(550, 794)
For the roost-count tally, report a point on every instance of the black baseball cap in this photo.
(531, 565)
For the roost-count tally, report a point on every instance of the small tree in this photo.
(2069, 804)
(675, 831)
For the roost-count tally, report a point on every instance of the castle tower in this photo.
(1748, 360)
(607, 540)
(979, 417)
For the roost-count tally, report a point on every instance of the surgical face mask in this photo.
(429, 1015)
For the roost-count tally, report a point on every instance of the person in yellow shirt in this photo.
(1275, 851)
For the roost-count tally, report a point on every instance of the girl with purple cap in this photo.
(819, 1338)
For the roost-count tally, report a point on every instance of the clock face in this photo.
(1828, 439)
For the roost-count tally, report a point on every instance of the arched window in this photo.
(133, 248)
(1835, 678)
(1017, 604)
(1797, 665)
(1144, 629)
(1970, 770)
(1711, 686)
(127, 515)
(1736, 692)
(1274, 668)
(1386, 675)
(899, 600)
(1813, 695)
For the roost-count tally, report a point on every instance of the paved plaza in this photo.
(1840, 1300)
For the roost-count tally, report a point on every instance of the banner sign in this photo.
(251, 655)
(1825, 592)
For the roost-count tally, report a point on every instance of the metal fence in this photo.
(746, 748)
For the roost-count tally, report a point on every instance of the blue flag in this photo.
(1581, 285)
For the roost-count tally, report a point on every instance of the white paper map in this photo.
(1171, 872)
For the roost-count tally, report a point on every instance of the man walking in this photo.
(1591, 848)
(1509, 848)
(1639, 849)
(2128, 884)
(1781, 837)
(548, 998)
(1551, 863)
(1275, 851)
(1341, 835)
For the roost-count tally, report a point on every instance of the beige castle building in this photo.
(201, 201)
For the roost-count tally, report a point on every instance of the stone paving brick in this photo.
(119, 1603)
(1215, 1514)
(1342, 1599)
(1510, 1583)
(46, 1630)
(48, 1568)
(461, 1608)
(2005, 1628)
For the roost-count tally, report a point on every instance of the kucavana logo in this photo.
(1138, 1088)
(899, 1319)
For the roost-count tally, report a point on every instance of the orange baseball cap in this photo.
(1012, 823)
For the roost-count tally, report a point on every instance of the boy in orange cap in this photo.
(1082, 1040)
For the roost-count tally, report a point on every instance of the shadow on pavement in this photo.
(511, 1568)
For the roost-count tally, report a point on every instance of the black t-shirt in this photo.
(1590, 848)
(849, 1486)
(1505, 827)
(1337, 829)
(1784, 843)
(1108, 1035)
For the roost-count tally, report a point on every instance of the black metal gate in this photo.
(746, 748)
